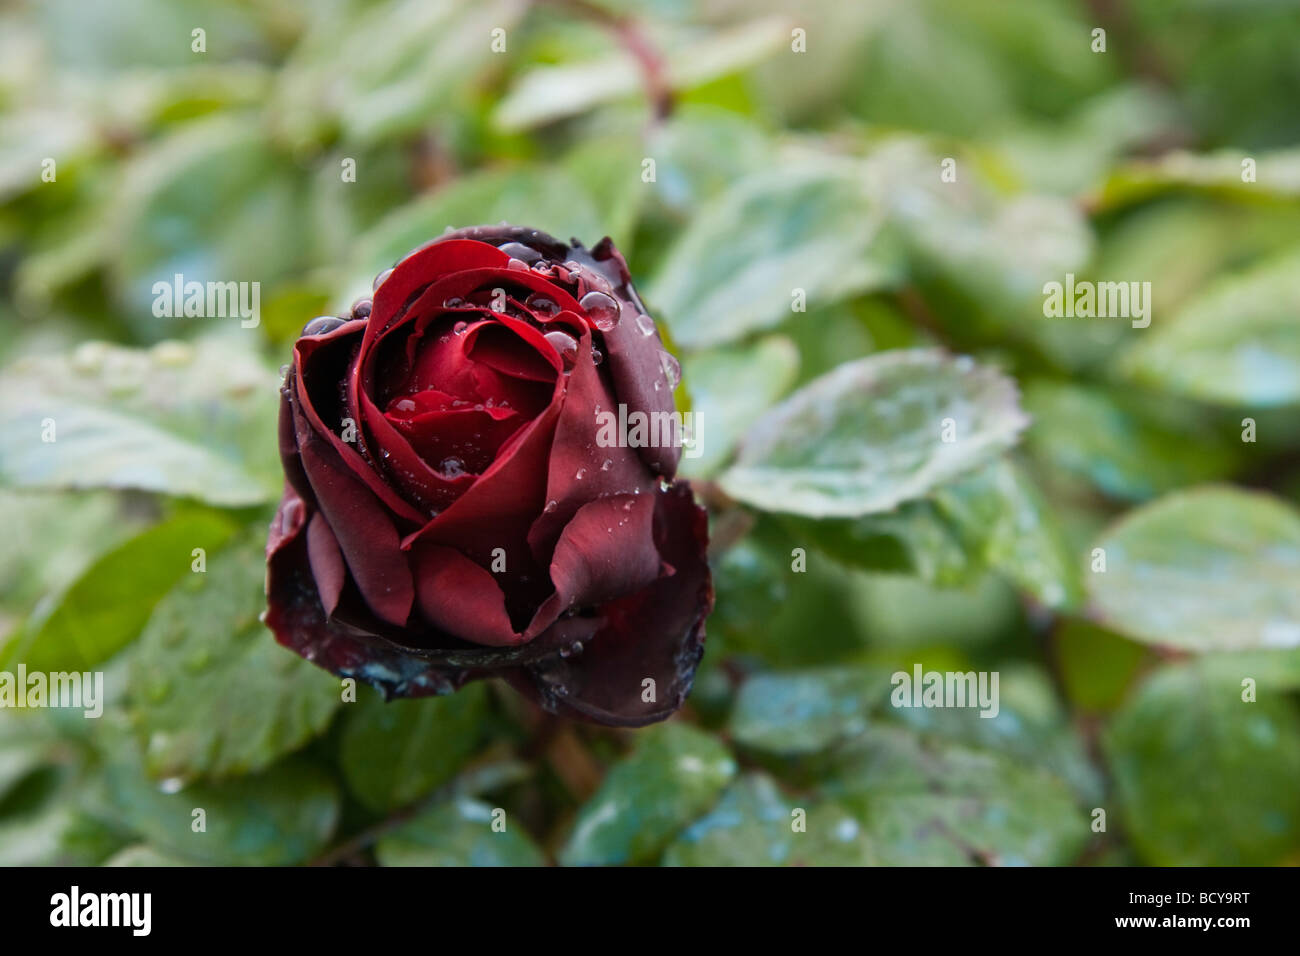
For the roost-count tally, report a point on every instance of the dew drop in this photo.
(452, 467)
(381, 278)
(519, 251)
(517, 265)
(607, 464)
(581, 473)
(551, 506)
(597, 356)
(361, 308)
(566, 345)
(602, 309)
(460, 328)
(672, 369)
(572, 650)
(284, 371)
(541, 304)
(645, 324)
(404, 405)
(455, 302)
(322, 324)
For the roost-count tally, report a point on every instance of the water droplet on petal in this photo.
(572, 650)
(517, 250)
(607, 464)
(455, 302)
(582, 473)
(284, 371)
(322, 324)
(517, 265)
(645, 324)
(404, 405)
(460, 328)
(601, 309)
(361, 308)
(672, 369)
(541, 304)
(597, 356)
(551, 506)
(381, 278)
(566, 345)
(452, 467)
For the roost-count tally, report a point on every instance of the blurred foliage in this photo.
(816, 276)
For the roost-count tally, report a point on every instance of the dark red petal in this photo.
(298, 620)
(579, 468)
(656, 634)
(364, 531)
(439, 258)
(326, 562)
(461, 598)
(607, 551)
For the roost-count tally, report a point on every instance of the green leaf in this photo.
(1004, 519)
(1210, 569)
(1237, 343)
(434, 52)
(107, 607)
(730, 389)
(675, 774)
(735, 267)
(869, 435)
(393, 753)
(805, 712)
(141, 854)
(458, 833)
(913, 538)
(1204, 778)
(279, 817)
(552, 92)
(213, 202)
(211, 693)
(193, 420)
(1277, 176)
(928, 802)
(753, 825)
(1119, 445)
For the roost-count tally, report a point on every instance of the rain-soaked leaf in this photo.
(185, 419)
(279, 817)
(730, 389)
(210, 692)
(394, 752)
(1210, 569)
(754, 824)
(108, 605)
(460, 832)
(674, 775)
(803, 712)
(1238, 343)
(1203, 777)
(874, 433)
(924, 801)
(736, 267)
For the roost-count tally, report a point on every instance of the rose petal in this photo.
(656, 634)
(364, 531)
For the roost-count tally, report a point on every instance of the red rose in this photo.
(450, 511)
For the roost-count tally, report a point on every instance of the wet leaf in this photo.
(870, 434)
(459, 833)
(674, 775)
(393, 753)
(211, 693)
(1204, 778)
(1209, 569)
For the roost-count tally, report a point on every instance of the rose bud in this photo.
(451, 510)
